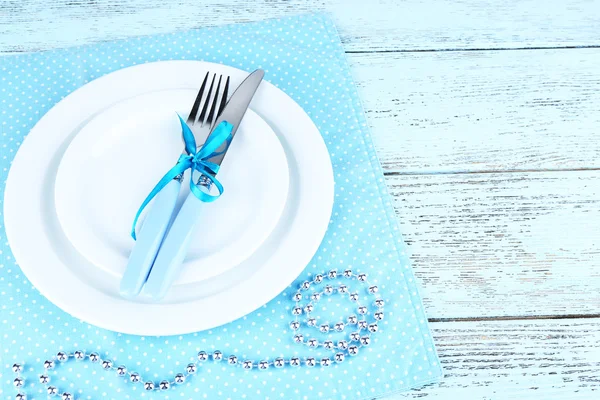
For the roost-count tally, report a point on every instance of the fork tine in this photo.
(212, 114)
(192, 117)
(224, 98)
(205, 106)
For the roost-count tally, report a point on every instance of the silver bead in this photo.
(355, 336)
(362, 277)
(247, 364)
(191, 368)
(52, 391)
(179, 378)
(107, 364)
(21, 396)
(328, 290)
(339, 326)
(328, 344)
(379, 303)
(217, 355)
(279, 362)
(295, 362)
(18, 382)
(305, 285)
(263, 365)
(365, 340)
(297, 310)
(232, 360)
(66, 396)
(309, 308)
(79, 355)
(295, 325)
(313, 343)
(362, 324)
(362, 310)
(121, 370)
(342, 344)
(318, 278)
(311, 322)
(353, 350)
(134, 377)
(332, 274)
(297, 297)
(164, 385)
(94, 357)
(310, 362)
(325, 362)
(149, 385)
(353, 319)
(202, 356)
(324, 328)
(354, 296)
(44, 379)
(373, 289)
(339, 357)
(379, 315)
(373, 327)
(298, 338)
(315, 296)
(343, 289)
(48, 364)
(62, 356)
(17, 368)
(348, 273)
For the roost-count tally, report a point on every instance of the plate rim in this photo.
(18, 219)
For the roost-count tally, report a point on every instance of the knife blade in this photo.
(235, 109)
(174, 248)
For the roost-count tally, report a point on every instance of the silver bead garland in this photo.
(359, 337)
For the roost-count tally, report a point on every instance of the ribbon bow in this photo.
(196, 161)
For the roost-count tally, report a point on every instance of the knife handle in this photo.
(149, 239)
(173, 250)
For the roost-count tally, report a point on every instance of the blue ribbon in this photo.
(196, 161)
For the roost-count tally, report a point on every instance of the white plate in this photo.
(117, 158)
(75, 284)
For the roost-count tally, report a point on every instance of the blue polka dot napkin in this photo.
(303, 56)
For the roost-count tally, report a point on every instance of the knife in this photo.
(177, 241)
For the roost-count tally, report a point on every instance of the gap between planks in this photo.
(515, 318)
(400, 173)
(473, 49)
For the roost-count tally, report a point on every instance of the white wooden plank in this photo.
(499, 360)
(503, 244)
(483, 111)
(29, 25)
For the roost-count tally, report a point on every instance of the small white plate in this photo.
(75, 284)
(117, 158)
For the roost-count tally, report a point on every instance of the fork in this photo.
(161, 212)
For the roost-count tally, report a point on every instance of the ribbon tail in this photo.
(178, 169)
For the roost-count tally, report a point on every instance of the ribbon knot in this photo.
(198, 161)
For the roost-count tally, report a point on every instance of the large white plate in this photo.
(75, 284)
(117, 158)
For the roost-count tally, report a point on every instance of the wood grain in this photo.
(376, 25)
(482, 111)
(499, 360)
(503, 244)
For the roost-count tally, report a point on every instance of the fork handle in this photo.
(149, 239)
(174, 249)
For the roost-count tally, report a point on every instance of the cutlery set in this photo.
(164, 238)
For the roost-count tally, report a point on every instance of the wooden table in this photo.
(486, 116)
